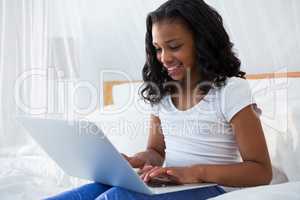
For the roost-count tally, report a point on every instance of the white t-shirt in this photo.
(203, 134)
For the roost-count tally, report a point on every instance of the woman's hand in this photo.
(180, 175)
(135, 161)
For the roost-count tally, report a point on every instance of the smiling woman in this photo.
(183, 46)
(203, 126)
(175, 49)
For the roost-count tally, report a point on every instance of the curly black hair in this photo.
(215, 57)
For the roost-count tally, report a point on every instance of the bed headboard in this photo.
(108, 85)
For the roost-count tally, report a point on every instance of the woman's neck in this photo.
(187, 95)
(190, 83)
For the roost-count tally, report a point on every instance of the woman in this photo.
(204, 127)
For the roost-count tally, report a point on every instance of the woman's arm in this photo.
(256, 167)
(254, 170)
(155, 152)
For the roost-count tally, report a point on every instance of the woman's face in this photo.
(175, 49)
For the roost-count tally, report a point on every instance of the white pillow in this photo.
(125, 122)
(279, 101)
(126, 93)
(127, 129)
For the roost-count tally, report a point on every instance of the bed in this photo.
(29, 173)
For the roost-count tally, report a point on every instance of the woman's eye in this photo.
(158, 49)
(175, 47)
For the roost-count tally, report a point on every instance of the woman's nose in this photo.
(166, 57)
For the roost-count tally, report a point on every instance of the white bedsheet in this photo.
(32, 177)
(284, 191)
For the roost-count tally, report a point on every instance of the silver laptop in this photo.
(81, 149)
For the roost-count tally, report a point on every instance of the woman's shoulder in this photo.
(235, 83)
(235, 95)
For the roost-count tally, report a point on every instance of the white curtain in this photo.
(265, 33)
(39, 60)
(40, 42)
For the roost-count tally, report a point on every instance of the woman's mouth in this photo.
(173, 71)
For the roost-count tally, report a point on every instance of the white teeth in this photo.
(173, 68)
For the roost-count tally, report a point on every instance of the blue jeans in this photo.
(100, 191)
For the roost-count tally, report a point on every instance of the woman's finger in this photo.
(172, 172)
(158, 172)
(146, 177)
(178, 175)
(143, 171)
(174, 175)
